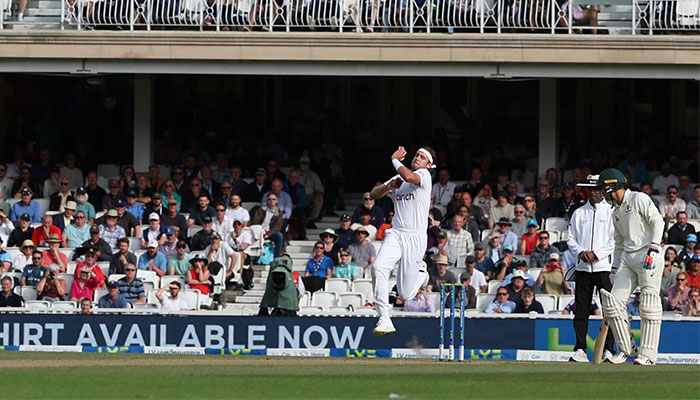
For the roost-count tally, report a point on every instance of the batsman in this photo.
(639, 229)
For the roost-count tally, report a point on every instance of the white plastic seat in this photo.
(192, 230)
(65, 306)
(338, 285)
(365, 287)
(134, 243)
(548, 301)
(68, 278)
(148, 285)
(27, 292)
(99, 293)
(191, 297)
(37, 304)
(305, 299)
(43, 205)
(553, 236)
(563, 300)
(354, 299)
(493, 286)
(534, 272)
(310, 310)
(338, 309)
(556, 224)
(104, 266)
(166, 279)
(483, 300)
(485, 234)
(148, 276)
(115, 277)
(435, 298)
(324, 299)
(147, 306)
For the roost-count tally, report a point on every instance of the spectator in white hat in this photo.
(155, 231)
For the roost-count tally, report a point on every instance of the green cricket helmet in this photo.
(611, 179)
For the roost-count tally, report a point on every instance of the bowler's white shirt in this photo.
(412, 203)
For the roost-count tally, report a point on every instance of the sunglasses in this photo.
(345, 255)
(672, 192)
(367, 199)
(89, 255)
(544, 237)
(226, 187)
(318, 247)
(681, 279)
(195, 185)
(36, 258)
(130, 270)
(520, 212)
(65, 183)
(529, 200)
(181, 246)
(502, 294)
(79, 217)
(271, 199)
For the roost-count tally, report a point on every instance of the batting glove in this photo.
(652, 253)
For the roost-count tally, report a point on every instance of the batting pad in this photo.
(650, 310)
(616, 314)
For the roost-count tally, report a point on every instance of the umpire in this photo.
(592, 240)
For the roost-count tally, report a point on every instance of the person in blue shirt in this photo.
(112, 299)
(154, 260)
(346, 269)
(501, 304)
(284, 200)
(633, 306)
(134, 208)
(318, 268)
(26, 205)
(34, 272)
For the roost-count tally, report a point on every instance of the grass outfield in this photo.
(95, 375)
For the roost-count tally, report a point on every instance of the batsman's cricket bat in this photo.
(600, 342)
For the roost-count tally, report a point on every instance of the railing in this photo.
(501, 16)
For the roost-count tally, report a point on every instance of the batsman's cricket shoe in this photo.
(607, 354)
(642, 360)
(579, 356)
(621, 358)
(384, 327)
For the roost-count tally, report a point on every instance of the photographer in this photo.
(51, 287)
(552, 277)
(692, 309)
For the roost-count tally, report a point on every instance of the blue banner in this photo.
(345, 337)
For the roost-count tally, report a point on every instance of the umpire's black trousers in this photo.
(585, 283)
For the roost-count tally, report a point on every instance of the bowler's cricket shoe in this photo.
(579, 356)
(424, 268)
(384, 327)
(621, 358)
(642, 360)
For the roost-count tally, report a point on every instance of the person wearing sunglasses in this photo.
(672, 204)
(501, 304)
(678, 294)
(58, 199)
(78, 232)
(33, 272)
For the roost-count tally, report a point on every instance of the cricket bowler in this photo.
(407, 239)
(639, 229)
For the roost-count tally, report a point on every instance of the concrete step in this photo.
(255, 292)
(248, 299)
(24, 26)
(43, 12)
(44, 4)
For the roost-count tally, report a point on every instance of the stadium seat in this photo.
(493, 286)
(523, 257)
(556, 224)
(166, 279)
(115, 277)
(563, 301)
(28, 292)
(104, 266)
(248, 205)
(70, 268)
(435, 298)
(365, 287)
(548, 301)
(456, 271)
(305, 299)
(99, 292)
(148, 276)
(553, 236)
(311, 310)
(69, 252)
(43, 205)
(151, 296)
(99, 214)
(366, 310)
(356, 300)
(37, 304)
(534, 272)
(324, 299)
(485, 233)
(68, 278)
(108, 170)
(338, 309)
(148, 285)
(338, 285)
(483, 300)
(192, 297)
(64, 306)
(134, 243)
(147, 306)
(192, 230)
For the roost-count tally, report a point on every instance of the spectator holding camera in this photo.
(51, 287)
(551, 277)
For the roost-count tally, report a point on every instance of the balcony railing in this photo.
(499, 16)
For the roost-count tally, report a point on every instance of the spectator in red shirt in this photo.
(41, 235)
(529, 239)
(85, 285)
(694, 272)
(91, 263)
(53, 256)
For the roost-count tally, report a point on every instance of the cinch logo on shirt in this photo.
(406, 196)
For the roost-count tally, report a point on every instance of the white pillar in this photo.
(548, 140)
(143, 128)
